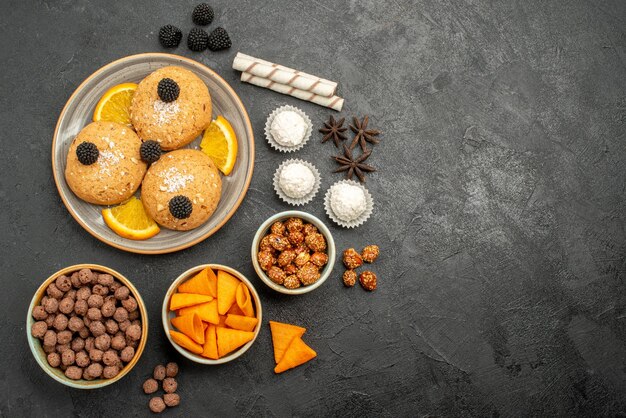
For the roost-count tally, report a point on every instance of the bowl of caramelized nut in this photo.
(293, 252)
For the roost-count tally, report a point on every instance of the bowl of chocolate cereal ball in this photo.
(87, 326)
(293, 252)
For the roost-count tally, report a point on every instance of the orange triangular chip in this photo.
(226, 291)
(206, 311)
(282, 334)
(183, 300)
(297, 353)
(198, 284)
(244, 301)
(229, 340)
(210, 343)
(244, 323)
(205, 325)
(191, 326)
(212, 279)
(235, 310)
(185, 342)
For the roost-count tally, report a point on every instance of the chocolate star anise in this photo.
(335, 130)
(363, 134)
(353, 165)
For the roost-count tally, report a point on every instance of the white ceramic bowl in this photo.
(306, 217)
(167, 315)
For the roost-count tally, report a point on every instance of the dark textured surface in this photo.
(501, 206)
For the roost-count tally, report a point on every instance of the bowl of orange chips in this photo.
(211, 314)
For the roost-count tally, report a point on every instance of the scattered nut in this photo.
(368, 280)
(370, 253)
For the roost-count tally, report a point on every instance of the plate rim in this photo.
(210, 232)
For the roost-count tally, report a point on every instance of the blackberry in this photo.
(150, 151)
(87, 153)
(198, 40)
(219, 39)
(168, 90)
(202, 14)
(180, 207)
(170, 36)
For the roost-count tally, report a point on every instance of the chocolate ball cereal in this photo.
(54, 292)
(171, 399)
(66, 305)
(68, 357)
(95, 301)
(105, 279)
(370, 253)
(79, 322)
(130, 304)
(108, 308)
(63, 283)
(54, 359)
(64, 337)
(127, 354)
(120, 314)
(82, 359)
(159, 372)
(93, 371)
(103, 342)
(77, 344)
(349, 278)
(50, 338)
(171, 369)
(110, 358)
(39, 329)
(74, 372)
(39, 313)
(150, 386)
(368, 280)
(122, 293)
(157, 405)
(352, 259)
(170, 385)
(51, 305)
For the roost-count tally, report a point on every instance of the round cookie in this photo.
(176, 123)
(117, 173)
(184, 172)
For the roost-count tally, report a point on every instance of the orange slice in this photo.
(114, 105)
(220, 143)
(130, 220)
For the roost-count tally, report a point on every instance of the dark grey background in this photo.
(500, 206)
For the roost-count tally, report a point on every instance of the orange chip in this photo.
(244, 323)
(229, 340)
(235, 310)
(183, 300)
(185, 342)
(206, 311)
(205, 325)
(282, 334)
(297, 353)
(244, 301)
(198, 284)
(210, 343)
(191, 326)
(226, 291)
